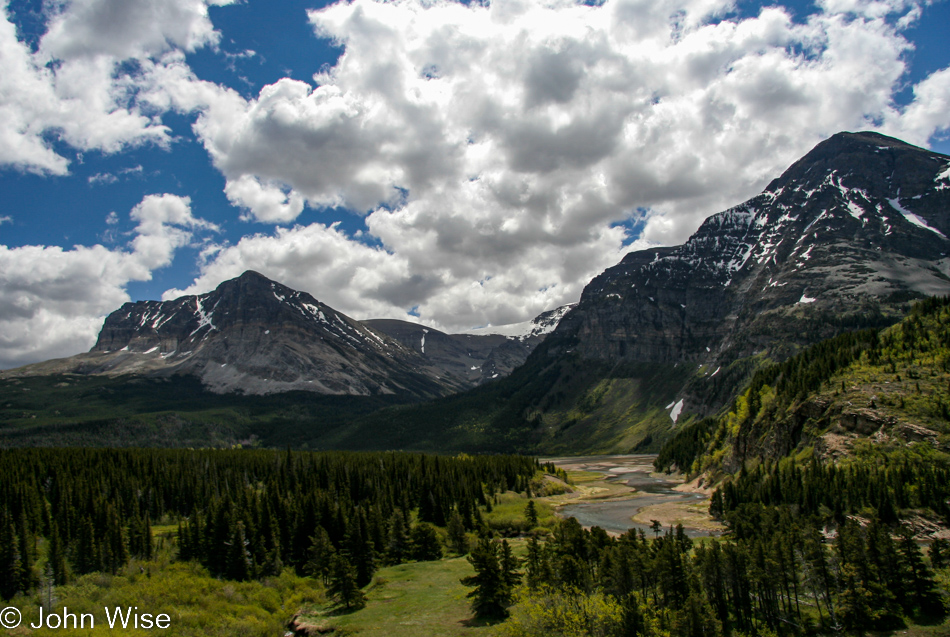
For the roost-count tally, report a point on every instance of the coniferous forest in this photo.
(818, 543)
(241, 514)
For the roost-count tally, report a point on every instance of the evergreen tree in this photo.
(508, 564)
(240, 563)
(938, 553)
(425, 543)
(458, 540)
(27, 548)
(342, 588)
(10, 563)
(397, 548)
(490, 596)
(320, 556)
(531, 514)
(87, 553)
(56, 558)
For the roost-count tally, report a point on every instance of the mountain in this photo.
(843, 239)
(886, 390)
(255, 336)
(479, 355)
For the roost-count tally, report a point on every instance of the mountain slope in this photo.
(479, 355)
(255, 336)
(845, 235)
(844, 239)
(889, 390)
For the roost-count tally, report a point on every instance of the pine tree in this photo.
(425, 543)
(509, 564)
(938, 553)
(320, 556)
(491, 596)
(10, 563)
(239, 564)
(531, 514)
(397, 549)
(87, 552)
(458, 540)
(56, 558)
(342, 587)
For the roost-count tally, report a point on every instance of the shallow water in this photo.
(634, 471)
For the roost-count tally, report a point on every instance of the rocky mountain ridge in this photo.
(845, 236)
(257, 336)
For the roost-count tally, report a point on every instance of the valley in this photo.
(619, 493)
(745, 434)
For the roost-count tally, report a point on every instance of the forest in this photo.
(779, 573)
(243, 514)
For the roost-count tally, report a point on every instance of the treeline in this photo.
(778, 574)
(917, 347)
(243, 514)
(834, 492)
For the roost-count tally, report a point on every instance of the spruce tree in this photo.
(342, 587)
(397, 548)
(10, 563)
(239, 563)
(531, 514)
(490, 596)
(320, 556)
(425, 543)
(458, 540)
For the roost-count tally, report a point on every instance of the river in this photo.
(632, 488)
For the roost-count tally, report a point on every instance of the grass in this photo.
(409, 600)
(196, 603)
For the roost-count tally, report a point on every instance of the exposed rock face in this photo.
(257, 336)
(857, 226)
(478, 356)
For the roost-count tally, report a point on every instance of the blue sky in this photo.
(467, 163)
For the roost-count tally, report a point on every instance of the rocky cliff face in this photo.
(848, 233)
(256, 336)
(478, 356)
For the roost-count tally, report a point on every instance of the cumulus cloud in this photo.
(495, 147)
(83, 82)
(53, 300)
(495, 150)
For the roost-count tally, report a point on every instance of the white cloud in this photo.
(53, 301)
(82, 85)
(120, 30)
(494, 147)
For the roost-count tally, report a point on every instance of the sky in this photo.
(456, 164)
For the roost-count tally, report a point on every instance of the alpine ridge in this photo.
(842, 239)
(256, 336)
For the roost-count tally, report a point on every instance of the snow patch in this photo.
(914, 219)
(677, 409)
(855, 210)
(806, 299)
(715, 372)
(943, 177)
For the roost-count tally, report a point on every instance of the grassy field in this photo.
(408, 600)
(197, 604)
